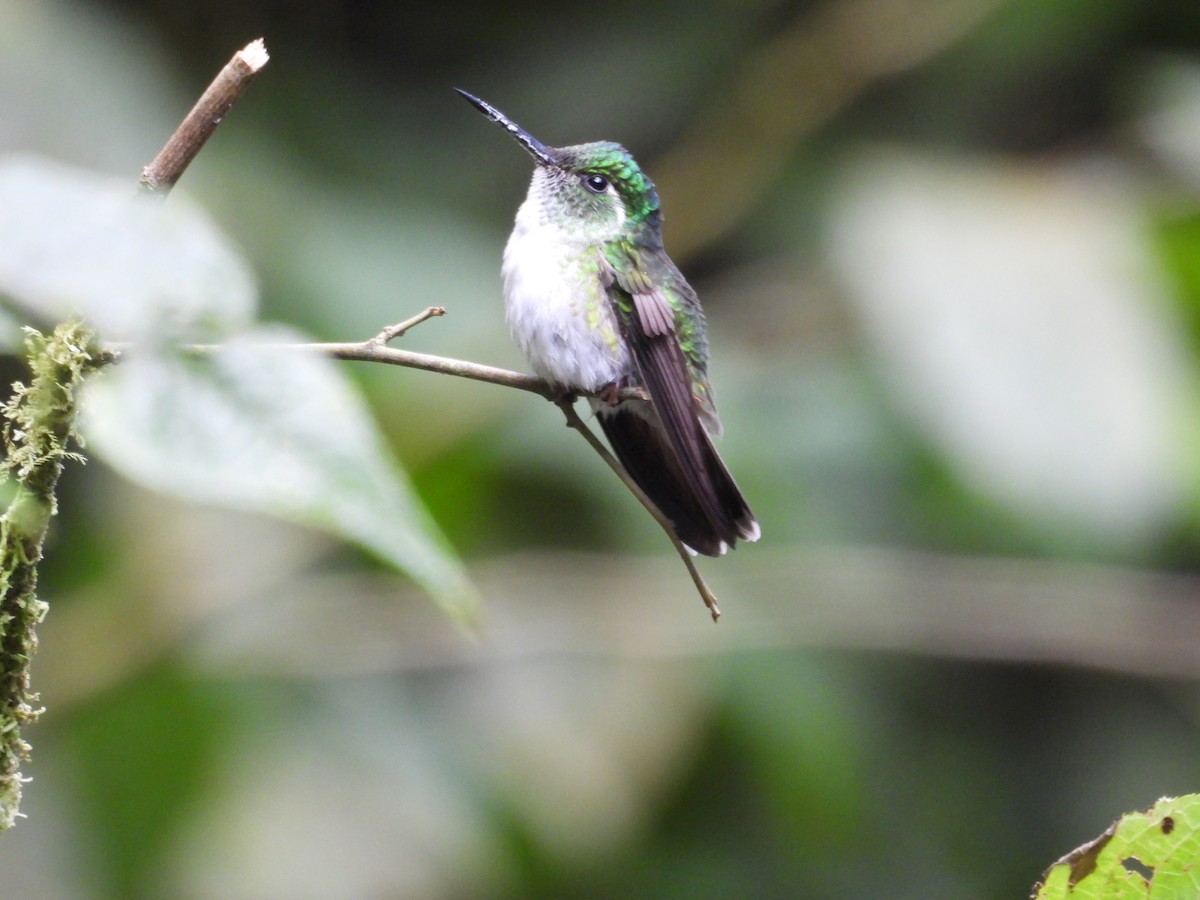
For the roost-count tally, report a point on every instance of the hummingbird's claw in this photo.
(610, 393)
(560, 393)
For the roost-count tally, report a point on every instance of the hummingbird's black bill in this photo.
(536, 148)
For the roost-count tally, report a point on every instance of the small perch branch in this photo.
(177, 154)
(573, 421)
(399, 330)
(374, 350)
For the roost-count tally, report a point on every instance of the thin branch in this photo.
(573, 421)
(225, 90)
(399, 330)
(369, 351)
(373, 350)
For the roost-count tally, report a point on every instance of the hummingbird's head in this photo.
(597, 189)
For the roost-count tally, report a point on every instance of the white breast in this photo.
(556, 307)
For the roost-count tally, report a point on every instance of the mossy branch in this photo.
(38, 429)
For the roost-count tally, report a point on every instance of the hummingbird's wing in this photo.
(717, 513)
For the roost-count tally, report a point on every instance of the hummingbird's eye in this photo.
(597, 184)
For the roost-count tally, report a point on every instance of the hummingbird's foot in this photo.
(610, 393)
(560, 393)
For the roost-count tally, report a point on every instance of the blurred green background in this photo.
(950, 255)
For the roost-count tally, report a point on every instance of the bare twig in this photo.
(398, 330)
(372, 350)
(177, 154)
(537, 386)
(573, 421)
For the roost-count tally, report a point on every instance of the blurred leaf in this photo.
(1155, 853)
(1020, 320)
(1167, 93)
(257, 429)
(76, 243)
(283, 432)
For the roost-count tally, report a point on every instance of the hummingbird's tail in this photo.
(708, 510)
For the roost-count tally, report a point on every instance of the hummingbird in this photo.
(596, 305)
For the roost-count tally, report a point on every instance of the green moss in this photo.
(38, 428)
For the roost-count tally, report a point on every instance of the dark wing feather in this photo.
(655, 314)
(641, 446)
(648, 322)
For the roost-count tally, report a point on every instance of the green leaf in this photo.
(277, 430)
(1151, 854)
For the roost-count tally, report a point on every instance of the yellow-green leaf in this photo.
(1149, 855)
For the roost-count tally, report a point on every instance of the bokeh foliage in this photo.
(948, 252)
